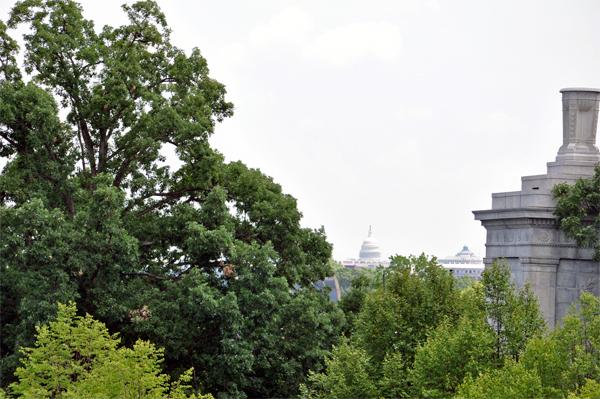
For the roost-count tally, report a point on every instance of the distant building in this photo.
(464, 263)
(369, 256)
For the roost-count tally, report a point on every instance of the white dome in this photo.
(465, 252)
(370, 248)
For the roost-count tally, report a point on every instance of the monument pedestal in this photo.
(522, 229)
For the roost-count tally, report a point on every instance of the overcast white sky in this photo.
(403, 115)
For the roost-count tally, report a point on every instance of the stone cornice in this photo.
(514, 213)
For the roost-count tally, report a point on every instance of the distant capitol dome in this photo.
(370, 255)
(370, 248)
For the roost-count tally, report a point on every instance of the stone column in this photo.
(541, 274)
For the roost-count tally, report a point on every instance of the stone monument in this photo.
(522, 229)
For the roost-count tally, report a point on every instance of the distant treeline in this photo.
(346, 275)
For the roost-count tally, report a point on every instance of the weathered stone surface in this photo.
(522, 229)
(566, 280)
(567, 295)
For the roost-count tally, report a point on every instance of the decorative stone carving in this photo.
(572, 119)
(544, 235)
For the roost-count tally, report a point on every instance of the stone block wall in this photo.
(572, 278)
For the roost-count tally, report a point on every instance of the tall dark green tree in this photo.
(202, 260)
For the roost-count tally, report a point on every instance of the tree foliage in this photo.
(423, 337)
(351, 303)
(463, 282)
(570, 355)
(513, 381)
(513, 312)
(562, 363)
(77, 357)
(419, 295)
(200, 260)
(348, 375)
(453, 351)
(346, 276)
(388, 330)
(497, 321)
(578, 211)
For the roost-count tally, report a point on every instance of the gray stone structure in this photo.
(522, 229)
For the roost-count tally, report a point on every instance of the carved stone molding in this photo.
(543, 222)
(554, 245)
(527, 236)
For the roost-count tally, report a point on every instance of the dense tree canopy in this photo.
(422, 337)
(387, 331)
(419, 295)
(560, 364)
(207, 261)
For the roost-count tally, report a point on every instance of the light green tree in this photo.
(591, 390)
(424, 338)
(542, 355)
(568, 358)
(497, 320)
(560, 364)
(513, 312)
(76, 357)
(394, 382)
(347, 375)
(419, 295)
(512, 381)
(452, 351)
